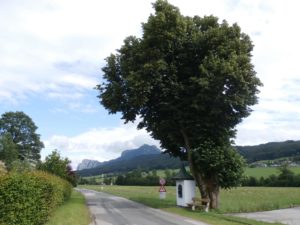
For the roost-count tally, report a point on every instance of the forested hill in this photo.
(150, 158)
(270, 151)
(145, 157)
(143, 162)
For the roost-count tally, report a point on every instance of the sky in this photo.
(52, 52)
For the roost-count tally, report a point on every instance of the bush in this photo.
(2, 169)
(30, 198)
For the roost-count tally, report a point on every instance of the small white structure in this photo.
(185, 187)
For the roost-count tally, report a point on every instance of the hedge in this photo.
(30, 198)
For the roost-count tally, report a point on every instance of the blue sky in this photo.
(52, 51)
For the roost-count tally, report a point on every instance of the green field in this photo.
(267, 171)
(235, 200)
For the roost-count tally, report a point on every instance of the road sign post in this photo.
(162, 189)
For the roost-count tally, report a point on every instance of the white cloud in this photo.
(55, 49)
(99, 144)
(36, 37)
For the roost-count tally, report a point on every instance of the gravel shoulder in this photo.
(290, 216)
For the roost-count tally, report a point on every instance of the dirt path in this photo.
(289, 216)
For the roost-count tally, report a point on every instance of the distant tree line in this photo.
(286, 178)
(134, 178)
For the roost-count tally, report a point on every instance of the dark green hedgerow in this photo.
(30, 198)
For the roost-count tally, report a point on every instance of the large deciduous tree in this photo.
(190, 80)
(22, 130)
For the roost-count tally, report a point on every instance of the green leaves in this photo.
(30, 198)
(22, 130)
(190, 80)
(8, 150)
(221, 163)
(58, 166)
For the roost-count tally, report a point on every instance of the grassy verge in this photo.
(251, 199)
(73, 212)
(235, 200)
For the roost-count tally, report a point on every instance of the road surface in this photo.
(111, 210)
(289, 216)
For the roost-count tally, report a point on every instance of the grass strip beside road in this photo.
(73, 212)
(150, 197)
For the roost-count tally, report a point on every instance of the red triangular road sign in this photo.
(162, 189)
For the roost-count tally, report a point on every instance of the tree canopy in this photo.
(22, 130)
(58, 166)
(189, 79)
(8, 150)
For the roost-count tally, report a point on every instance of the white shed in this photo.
(185, 187)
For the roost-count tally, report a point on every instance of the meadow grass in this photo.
(242, 199)
(73, 212)
(250, 199)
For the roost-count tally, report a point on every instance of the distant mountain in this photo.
(143, 150)
(127, 154)
(145, 157)
(88, 164)
(270, 151)
(149, 157)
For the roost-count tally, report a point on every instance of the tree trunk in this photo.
(196, 174)
(213, 190)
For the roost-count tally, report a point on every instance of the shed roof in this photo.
(183, 174)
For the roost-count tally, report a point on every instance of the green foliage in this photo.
(270, 151)
(59, 166)
(8, 150)
(30, 198)
(185, 74)
(136, 177)
(169, 177)
(3, 170)
(189, 79)
(23, 133)
(22, 166)
(223, 164)
(285, 178)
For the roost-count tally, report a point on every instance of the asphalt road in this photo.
(289, 216)
(111, 210)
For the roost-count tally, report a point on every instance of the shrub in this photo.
(58, 166)
(2, 168)
(29, 198)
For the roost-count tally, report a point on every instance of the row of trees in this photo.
(189, 81)
(135, 177)
(20, 148)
